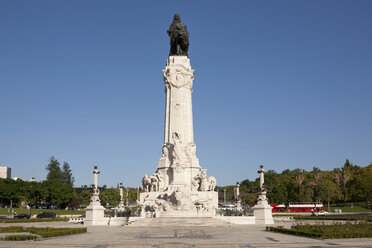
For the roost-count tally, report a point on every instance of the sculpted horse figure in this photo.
(146, 183)
(179, 37)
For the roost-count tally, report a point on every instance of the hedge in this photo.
(44, 232)
(347, 218)
(19, 237)
(336, 231)
(31, 220)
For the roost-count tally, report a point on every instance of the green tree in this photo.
(345, 177)
(299, 179)
(67, 174)
(54, 170)
(84, 197)
(58, 192)
(327, 190)
(59, 183)
(111, 196)
(35, 192)
(10, 194)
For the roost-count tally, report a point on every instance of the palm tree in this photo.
(299, 179)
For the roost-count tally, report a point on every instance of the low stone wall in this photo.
(68, 215)
(240, 220)
(283, 218)
(76, 220)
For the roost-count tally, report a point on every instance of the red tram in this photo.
(298, 207)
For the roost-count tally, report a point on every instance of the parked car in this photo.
(22, 216)
(228, 207)
(46, 215)
(319, 213)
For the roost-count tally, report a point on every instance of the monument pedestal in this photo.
(95, 215)
(263, 211)
(263, 214)
(179, 204)
(95, 212)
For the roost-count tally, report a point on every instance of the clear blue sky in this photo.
(286, 84)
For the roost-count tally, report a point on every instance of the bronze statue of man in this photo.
(179, 37)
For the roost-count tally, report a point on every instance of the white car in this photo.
(320, 213)
(228, 207)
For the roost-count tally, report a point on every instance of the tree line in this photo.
(350, 183)
(57, 189)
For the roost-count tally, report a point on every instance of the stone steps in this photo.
(178, 222)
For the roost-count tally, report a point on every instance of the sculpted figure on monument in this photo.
(191, 150)
(212, 183)
(146, 183)
(179, 37)
(160, 181)
(203, 180)
(154, 183)
(195, 184)
(179, 155)
(165, 151)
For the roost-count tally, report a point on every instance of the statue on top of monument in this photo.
(179, 37)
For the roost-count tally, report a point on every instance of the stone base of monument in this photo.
(263, 214)
(239, 220)
(95, 215)
(179, 204)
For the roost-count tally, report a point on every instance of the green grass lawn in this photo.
(334, 231)
(349, 209)
(4, 211)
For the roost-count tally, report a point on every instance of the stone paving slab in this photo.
(181, 237)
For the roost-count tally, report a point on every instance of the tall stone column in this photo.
(95, 211)
(121, 202)
(238, 200)
(178, 163)
(262, 211)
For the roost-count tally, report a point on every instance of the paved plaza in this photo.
(180, 236)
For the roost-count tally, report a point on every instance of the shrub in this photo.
(44, 232)
(31, 220)
(20, 237)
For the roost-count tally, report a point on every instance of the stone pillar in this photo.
(95, 211)
(262, 211)
(178, 164)
(121, 202)
(238, 201)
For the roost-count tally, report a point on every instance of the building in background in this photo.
(18, 178)
(5, 172)
(33, 179)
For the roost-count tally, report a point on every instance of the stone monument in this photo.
(179, 187)
(238, 200)
(95, 211)
(262, 211)
(121, 201)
